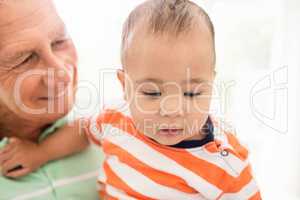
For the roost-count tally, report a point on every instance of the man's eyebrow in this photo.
(59, 31)
(153, 80)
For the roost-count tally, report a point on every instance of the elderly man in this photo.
(38, 76)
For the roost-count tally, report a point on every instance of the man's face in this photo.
(169, 84)
(38, 61)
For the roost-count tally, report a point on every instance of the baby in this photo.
(162, 143)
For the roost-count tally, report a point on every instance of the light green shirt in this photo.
(71, 178)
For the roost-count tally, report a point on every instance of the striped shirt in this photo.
(136, 167)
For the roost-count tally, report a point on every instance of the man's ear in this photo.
(121, 77)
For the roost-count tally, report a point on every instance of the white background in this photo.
(258, 54)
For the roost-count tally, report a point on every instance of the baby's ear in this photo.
(121, 77)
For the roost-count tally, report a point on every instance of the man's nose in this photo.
(58, 72)
(171, 106)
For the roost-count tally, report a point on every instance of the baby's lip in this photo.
(170, 127)
(170, 131)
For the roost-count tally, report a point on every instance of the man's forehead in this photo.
(12, 47)
(14, 12)
(38, 20)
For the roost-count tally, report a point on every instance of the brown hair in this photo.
(161, 16)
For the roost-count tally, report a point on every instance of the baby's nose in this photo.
(171, 106)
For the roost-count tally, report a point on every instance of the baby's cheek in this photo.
(199, 105)
(141, 117)
(199, 108)
(195, 123)
(145, 106)
(147, 125)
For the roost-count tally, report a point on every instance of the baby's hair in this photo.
(165, 16)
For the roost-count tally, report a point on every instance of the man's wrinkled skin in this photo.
(38, 76)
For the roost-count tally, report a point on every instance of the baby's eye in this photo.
(192, 94)
(153, 94)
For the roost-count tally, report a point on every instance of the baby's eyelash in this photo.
(191, 94)
(155, 94)
(158, 94)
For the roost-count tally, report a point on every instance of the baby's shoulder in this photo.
(116, 106)
(112, 110)
(232, 152)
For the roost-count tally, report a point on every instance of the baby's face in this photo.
(169, 84)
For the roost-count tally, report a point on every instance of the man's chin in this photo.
(47, 118)
(44, 115)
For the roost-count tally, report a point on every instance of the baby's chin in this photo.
(173, 139)
(166, 140)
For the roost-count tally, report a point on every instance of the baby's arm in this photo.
(21, 157)
(66, 141)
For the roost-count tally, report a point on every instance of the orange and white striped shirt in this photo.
(136, 167)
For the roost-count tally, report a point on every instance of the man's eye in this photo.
(59, 43)
(27, 59)
(192, 94)
(153, 94)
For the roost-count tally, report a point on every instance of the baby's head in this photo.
(168, 58)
